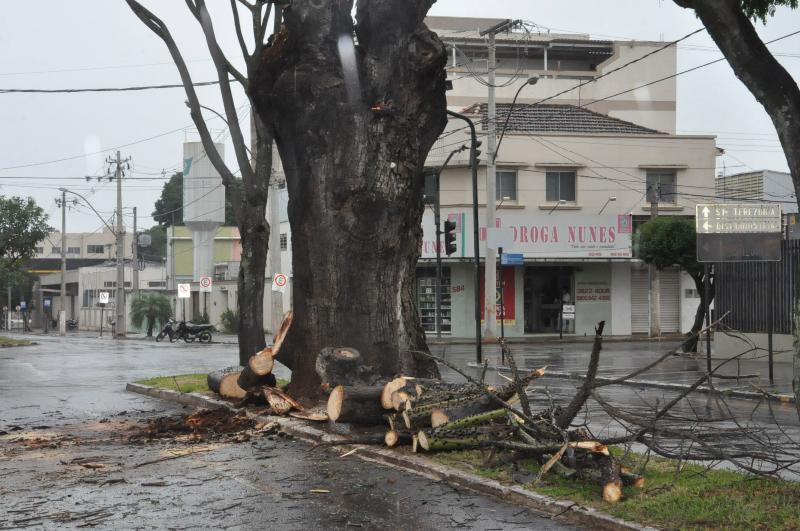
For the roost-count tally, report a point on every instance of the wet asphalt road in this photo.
(63, 404)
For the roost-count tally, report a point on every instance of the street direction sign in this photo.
(730, 218)
(184, 291)
(511, 259)
(732, 232)
(205, 284)
(104, 297)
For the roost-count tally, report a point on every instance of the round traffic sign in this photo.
(205, 282)
(280, 280)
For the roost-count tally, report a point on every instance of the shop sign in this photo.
(543, 236)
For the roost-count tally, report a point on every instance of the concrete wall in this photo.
(82, 240)
(605, 165)
(593, 285)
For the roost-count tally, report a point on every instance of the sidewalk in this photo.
(742, 378)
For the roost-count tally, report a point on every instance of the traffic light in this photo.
(449, 237)
(475, 151)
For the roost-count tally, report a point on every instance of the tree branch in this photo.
(568, 415)
(160, 29)
(223, 67)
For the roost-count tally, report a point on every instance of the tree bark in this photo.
(700, 313)
(354, 125)
(254, 232)
(764, 77)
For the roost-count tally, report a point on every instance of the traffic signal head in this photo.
(449, 237)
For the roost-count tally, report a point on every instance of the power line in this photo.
(681, 72)
(105, 89)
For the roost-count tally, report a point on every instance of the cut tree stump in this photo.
(343, 366)
(224, 382)
(357, 405)
(262, 363)
(258, 371)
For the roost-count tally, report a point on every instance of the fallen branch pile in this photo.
(433, 416)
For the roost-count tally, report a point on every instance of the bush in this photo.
(229, 321)
(150, 310)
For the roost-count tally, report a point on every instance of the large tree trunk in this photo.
(254, 232)
(765, 78)
(354, 125)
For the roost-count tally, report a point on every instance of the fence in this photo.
(750, 290)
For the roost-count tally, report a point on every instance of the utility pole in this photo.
(276, 297)
(135, 258)
(62, 318)
(119, 302)
(655, 282)
(490, 266)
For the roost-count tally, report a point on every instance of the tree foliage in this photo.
(23, 224)
(668, 241)
(761, 9)
(152, 309)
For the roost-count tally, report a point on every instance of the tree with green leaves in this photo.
(152, 309)
(23, 225)
(730, 24)
(672, 241)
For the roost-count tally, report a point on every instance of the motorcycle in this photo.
(168, 330)
(72, 324)
(189, 332)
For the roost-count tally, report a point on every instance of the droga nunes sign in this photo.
(542, 236)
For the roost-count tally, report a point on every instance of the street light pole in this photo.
(437, 220)
(473, 162)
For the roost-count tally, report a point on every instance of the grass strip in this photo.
(187, 383)
(11, 342)
(692, 498)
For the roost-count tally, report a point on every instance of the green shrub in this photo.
(229, 321)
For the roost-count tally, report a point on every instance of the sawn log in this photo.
(224, 382)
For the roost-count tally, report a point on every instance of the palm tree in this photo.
(150, 307)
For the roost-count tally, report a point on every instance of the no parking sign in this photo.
(279, 282)
(205, 284)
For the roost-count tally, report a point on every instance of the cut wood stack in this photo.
(224, 382)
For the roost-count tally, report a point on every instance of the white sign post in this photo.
(184, 291)
(279, 282)
(205, 284)
(102, 301)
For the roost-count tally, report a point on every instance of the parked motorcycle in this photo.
(190, 331)
(168, 330)
(72, 324)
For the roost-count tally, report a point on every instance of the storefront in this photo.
(583, 261)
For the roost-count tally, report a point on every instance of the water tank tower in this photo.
(203, 204)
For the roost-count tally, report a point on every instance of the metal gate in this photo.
(670, 284)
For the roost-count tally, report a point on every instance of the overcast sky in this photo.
(100, 43)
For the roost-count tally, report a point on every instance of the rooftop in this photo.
(559, 119)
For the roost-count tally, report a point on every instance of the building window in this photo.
(663, 186)
(506, 185)
(560, 186)
(156, 284)
(55, 250)
(73, 250)
(39, 250)
(95, 249)
(284, 242)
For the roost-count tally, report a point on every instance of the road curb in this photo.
(635, 382)
(567, 511)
